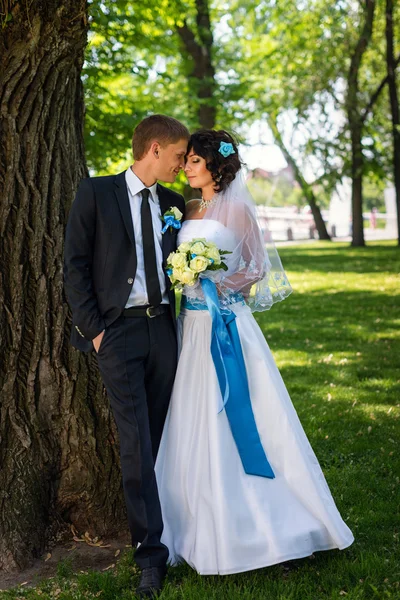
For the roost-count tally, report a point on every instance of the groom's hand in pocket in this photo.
(97, 341)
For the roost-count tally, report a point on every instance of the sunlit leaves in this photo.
(285, 58)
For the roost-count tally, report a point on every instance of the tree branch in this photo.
(203, 22)
(189, 41)
(377, 92)
(362, 44)
(307, 189)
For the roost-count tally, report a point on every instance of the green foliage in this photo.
(286, 61)
(135, 66)
(131, 71)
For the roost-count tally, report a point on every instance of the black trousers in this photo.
(137, 361)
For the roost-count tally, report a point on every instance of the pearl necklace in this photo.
(207, 203)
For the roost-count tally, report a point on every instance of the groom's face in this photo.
(171, 159)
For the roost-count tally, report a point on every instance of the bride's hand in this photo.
(97, 341)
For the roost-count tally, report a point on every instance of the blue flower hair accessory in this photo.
(226, 149)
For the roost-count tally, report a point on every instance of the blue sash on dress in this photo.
(227, 355)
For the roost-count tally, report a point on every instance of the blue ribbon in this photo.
(170, 221)
(227, 355)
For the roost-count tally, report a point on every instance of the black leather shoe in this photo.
(151, 581)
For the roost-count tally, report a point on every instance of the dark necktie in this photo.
(149, 251)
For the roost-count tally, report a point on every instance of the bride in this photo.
(240, 486)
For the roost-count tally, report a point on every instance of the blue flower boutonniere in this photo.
(172, 219)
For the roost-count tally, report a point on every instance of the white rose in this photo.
(213, 253)
(178, 260)
(177, 213)
(199, 264)
(197, 248)
(177, 274)
(184, 247)
(170, 257)
(188, 277)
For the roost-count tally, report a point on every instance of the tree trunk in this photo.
(307, 189)
(58, 455)
(201, 76)
(394, 105)
(357, 189)
(355, 121)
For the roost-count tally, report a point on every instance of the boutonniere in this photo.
(172, 219)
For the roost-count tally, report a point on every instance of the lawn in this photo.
(337, 343)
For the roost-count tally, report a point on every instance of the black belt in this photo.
(146, 311)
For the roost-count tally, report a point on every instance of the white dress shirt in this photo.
(138, 295)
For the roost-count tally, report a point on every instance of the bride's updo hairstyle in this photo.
(206, 143)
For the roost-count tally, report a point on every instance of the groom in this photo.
(123, 308)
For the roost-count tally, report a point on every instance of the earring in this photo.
(218, 177)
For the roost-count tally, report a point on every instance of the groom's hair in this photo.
(157, 128)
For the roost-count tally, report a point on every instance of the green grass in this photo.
(336, 341)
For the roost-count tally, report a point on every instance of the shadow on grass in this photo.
(331, 318)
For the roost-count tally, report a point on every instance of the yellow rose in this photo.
(199, 264)
(178, 261)
(188, 277)
(213, 253)
(184, 247)
(197, 248)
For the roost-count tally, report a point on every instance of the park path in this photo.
(370, 235)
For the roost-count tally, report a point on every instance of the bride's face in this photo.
(196, 171)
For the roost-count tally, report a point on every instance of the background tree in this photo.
(306, 68)
(367, 117)
(394, 104)
(356, 119)
(285, 80)
(305, 186)
(198, 43)
(57, 454)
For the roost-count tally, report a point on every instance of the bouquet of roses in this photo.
(191, 259)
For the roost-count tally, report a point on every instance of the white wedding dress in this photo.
(216, 517)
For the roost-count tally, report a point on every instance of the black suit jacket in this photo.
(100, 257)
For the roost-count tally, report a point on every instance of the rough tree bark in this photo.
(198, 47)
(58, 457)
(394, 105)
(355, 121)
(307, 188)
